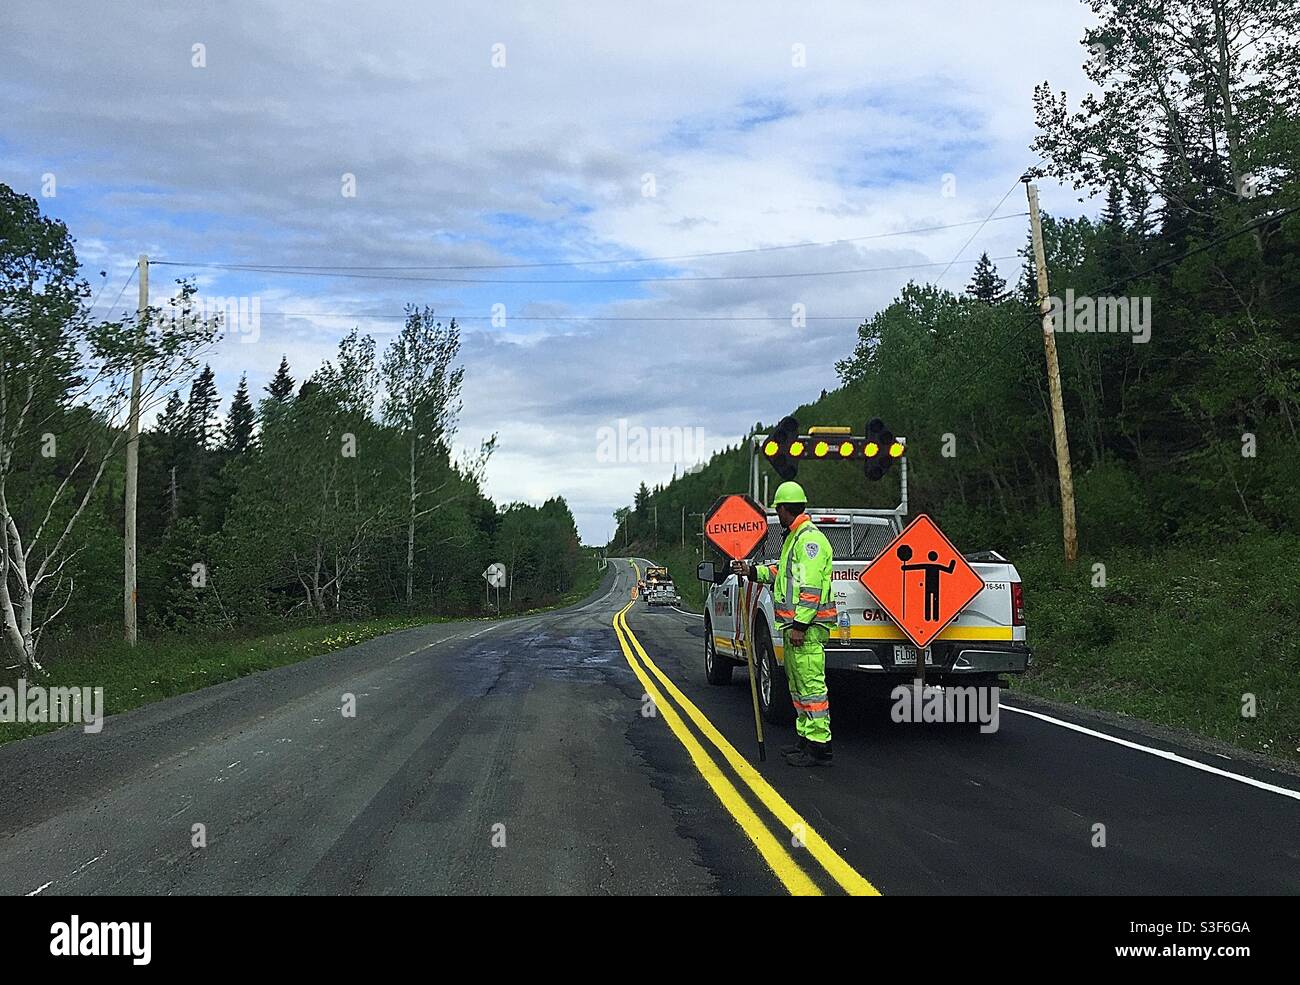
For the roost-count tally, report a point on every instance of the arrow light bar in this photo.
(826, 444)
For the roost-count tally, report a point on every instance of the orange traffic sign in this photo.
(921, 581)
(735, 525)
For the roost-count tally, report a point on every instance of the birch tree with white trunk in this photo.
(64, 386)
(422, 401)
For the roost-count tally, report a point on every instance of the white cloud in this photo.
(460, 162)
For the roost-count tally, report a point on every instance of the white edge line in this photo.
(86, 865)
(41, 889)
(421, 649)
(1171, 756)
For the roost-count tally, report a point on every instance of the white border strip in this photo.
(1171, 756)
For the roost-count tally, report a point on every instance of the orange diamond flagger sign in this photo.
(735, 525)
(921, 581)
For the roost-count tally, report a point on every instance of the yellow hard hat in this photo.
(789, 492)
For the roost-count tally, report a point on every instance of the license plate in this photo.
(905, 656)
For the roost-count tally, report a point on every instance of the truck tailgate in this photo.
(987, 617)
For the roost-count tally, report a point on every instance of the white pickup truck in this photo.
(986, 639)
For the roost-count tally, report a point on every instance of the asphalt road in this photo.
(525, 757)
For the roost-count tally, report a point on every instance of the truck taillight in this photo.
(1017, 604)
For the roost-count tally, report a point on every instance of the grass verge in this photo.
(1193, 637)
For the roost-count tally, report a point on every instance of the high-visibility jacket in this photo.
(801, 579)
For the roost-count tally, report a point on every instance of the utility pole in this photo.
(656, 536)
(683, 526)
(1062, 442)
(701, 516)
(133, 464)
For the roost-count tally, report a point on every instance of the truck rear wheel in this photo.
(717, 669)
(773, 689)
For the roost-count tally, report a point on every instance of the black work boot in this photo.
(799, 746)
(815, 754)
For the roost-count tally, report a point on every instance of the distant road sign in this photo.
(495, 574)
(921, 581)
(735, 525)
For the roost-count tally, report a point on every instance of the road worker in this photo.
(804, 606)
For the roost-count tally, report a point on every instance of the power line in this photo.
(283, 267)
(130, 277)
(978, 231)
(599, 281)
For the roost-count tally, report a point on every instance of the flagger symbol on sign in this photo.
(932, 572)
(921, 596)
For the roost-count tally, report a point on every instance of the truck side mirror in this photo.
(711, 573)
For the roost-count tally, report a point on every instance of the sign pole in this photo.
(750, 654)
(736, 525)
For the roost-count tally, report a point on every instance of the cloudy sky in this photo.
(525, 159)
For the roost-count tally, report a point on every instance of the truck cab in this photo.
(658, 587)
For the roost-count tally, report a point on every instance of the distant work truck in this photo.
(658, 587)
(984, 641)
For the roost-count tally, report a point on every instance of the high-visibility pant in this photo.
(805, 670)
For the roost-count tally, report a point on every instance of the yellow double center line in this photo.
(772, 848)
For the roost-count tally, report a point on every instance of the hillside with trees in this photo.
(333, 495)
(1185, 448)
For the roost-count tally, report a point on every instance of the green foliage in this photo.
(306, 507)
(541, 551)
(241, 422)
(64, 384)
(1185, 449)
(1178, 635)
(985, 284)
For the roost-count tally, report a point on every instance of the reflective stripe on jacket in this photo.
(801, 579)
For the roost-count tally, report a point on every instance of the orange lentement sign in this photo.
(921, 581)
(735, 525)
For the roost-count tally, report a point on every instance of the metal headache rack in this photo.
(854, 536)
(756, 486)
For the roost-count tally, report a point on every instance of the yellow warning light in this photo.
(896, 449)
(820, 449)
(771, 448)
(796, 448)
(846, 449)
(829, 429)
(871, 449)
